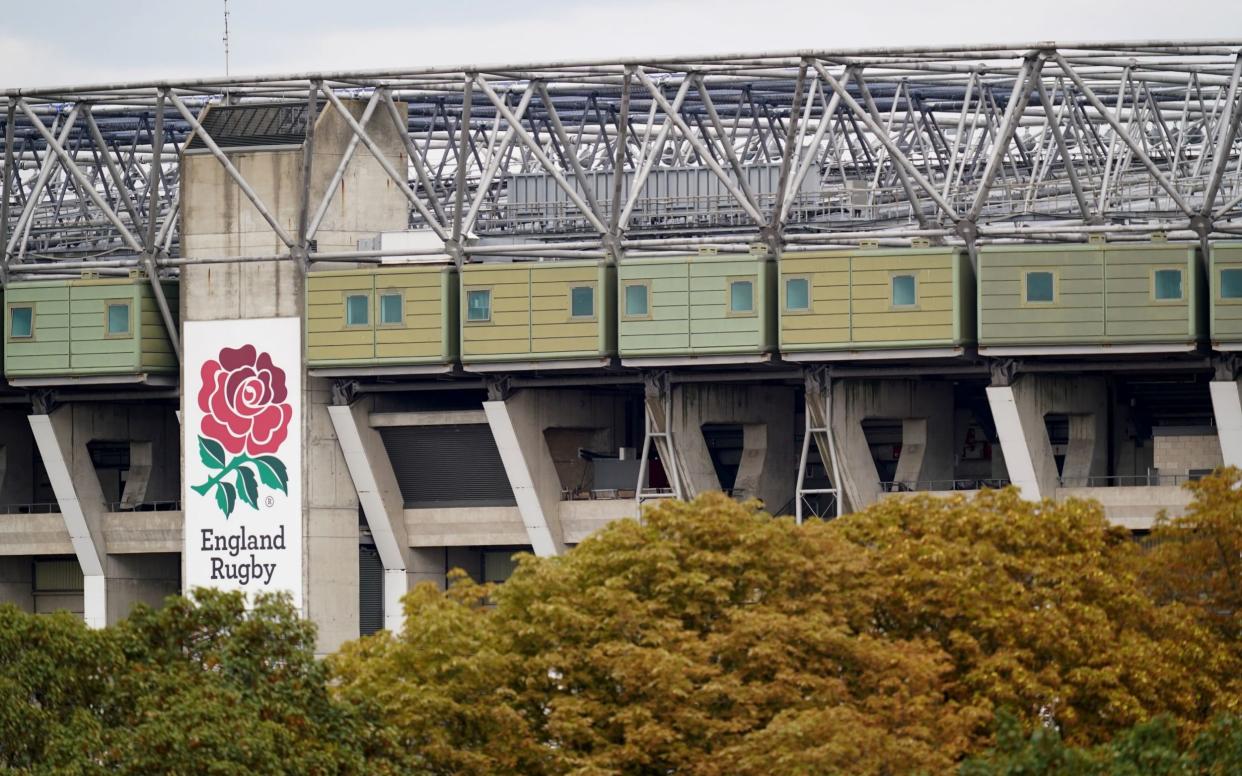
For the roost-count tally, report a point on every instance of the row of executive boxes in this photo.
(819, 306)
(831, 305)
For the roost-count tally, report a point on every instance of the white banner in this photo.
(242, 431)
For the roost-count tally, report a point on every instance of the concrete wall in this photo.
(17, 582)
(1181, 452)
(141, 579)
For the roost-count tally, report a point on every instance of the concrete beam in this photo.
(1227, 407)
(81, 504)
(441, 418)
(518, 430)
(381, 500)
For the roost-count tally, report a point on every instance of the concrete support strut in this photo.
(380, 497)
(532, 473)
(1227, 407)
(81, 504)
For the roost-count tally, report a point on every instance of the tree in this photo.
(1196, 559)
(709, 639)
(200, 686)
(1043, 609)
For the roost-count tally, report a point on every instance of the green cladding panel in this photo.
(382, 316)
(696, 306)
(537, 311)
(875, 299)
(1149, 294)
(1225, 282)
(86, 328)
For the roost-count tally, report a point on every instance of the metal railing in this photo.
(39, 508)
(147, 506)
(1127, 480)
(961, 483)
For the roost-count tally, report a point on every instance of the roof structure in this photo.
(960, 145)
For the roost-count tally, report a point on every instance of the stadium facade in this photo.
(339, 333)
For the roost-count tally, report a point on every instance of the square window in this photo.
(1040, 287)
(118, 319)
(1167, 284)
(741, 296)
(582, 302)
(357, 310)
(21, 322)
(479, 305)
(797, 294)
(391, 309)
(1231, 283)
(904, 292)
(636, 301)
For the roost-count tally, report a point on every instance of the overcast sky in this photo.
(74, 41)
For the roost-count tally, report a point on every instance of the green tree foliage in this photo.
(196, 687)
(1150, 748)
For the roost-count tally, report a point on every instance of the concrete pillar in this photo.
(140, 579)
(925, 410)
(17, 581)
(518, 427)
(766, 414)
(380, 497)
(139, 475)
(1019, 410)
(1227, 407)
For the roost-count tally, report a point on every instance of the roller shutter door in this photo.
(370, 591)
(447, 466)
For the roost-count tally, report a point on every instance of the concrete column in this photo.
(1019, 410)
(1227, 407)
(925, 410)
(380, 497)
(769, 454)
(81, 503)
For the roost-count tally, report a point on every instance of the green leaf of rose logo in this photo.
(245, 420)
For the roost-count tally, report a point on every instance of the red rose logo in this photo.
(244, 416)
(242, 400)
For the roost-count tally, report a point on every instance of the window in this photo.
(357, 310)
(1039, 287)
(1231, 283)
(905, 293)
(391, 308)
(479, 305)
(1166, 284)
(117, 319)
(582, 302)
(636, 303)
(741, 297)
(21, 322)
(797, 294)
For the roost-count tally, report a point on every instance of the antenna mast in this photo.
(226, 38)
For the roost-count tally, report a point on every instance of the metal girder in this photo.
(1118, 138)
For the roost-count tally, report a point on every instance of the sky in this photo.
(94, 41)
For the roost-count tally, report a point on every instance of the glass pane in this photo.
(357, 312)
(478, 305)
(903, 290)
(21, 321)
(797, 294)
(1039, 287)
(1231, 284)
(118, 319)
(582, 302)
(390, 309)
(742, 296)
(1168, 283)
(636, 300)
